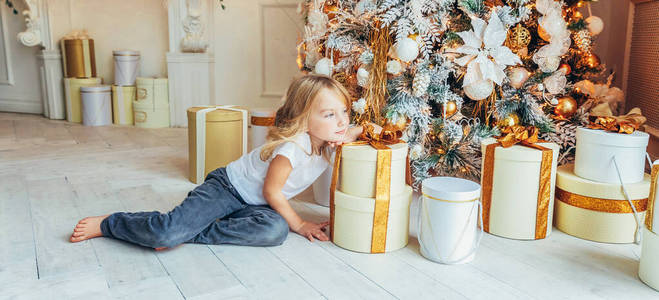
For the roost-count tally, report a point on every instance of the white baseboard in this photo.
(30, 106)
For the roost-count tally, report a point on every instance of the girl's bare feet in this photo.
(87, 228)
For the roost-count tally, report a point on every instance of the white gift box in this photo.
(353, 221)
(598, 211)
(513, 207)
(358, 165)
(648, 270)
(126, 66)
(448, 225)
(596, 150)
(260, 120)
(96, 105)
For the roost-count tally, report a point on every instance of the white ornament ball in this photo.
(394, 67)
(416, 151)
(550, 64)
(479, 90)
(595, 25)
(518, 76)
(324, 66)
(362, 77)
(407, 49)
(553, 101)
(555, 84)
(541, 87)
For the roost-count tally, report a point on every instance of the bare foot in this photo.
(87, 228)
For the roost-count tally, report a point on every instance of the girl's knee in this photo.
(276, 232)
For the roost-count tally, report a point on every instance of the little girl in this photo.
(246, 203)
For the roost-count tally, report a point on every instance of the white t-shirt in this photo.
(247, 174)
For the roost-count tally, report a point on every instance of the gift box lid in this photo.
(262, 112)
(125, 53)
(151, 81)
(451, 188)
(368, 153)
(362, 204)
(602, 137)
(519, 152)
(568, 181)
(218, 115)
(95, 89)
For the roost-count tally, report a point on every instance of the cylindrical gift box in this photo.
(652, 216)
(146, 115)
(122, 104)
(597, 148)
(517, 208)
(648, 270)
(96, 105)
(598, 211)
(153, 91)
(126, 66)
(358, 165)
(78, 58)
(353, 221)
(448, 228)
(321, 187)
(72, 96)
(260, 120)
(223, 139)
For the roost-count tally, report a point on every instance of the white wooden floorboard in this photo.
(393, 275)
(53, 213)
(76, 285)
(17, 249)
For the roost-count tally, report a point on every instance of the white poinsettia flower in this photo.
(485, 56)
(359, 106)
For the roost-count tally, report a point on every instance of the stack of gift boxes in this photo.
(131, 100)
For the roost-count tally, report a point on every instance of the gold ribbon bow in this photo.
(603, 119)
(649, 215)
(525, 136)
(388, 136)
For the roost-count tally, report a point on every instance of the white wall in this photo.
(118, 24)
(19, 70)
(254, 46)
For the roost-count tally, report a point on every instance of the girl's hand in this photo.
(312, 230)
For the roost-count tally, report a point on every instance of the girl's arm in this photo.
(278, 171)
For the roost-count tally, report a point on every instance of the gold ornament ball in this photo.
(565, 68)
(566, 107)
(592, 61)
(440, 151)
(542, 33)
(518, 37)
(450, 109)
(511, 120)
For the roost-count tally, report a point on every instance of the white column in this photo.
(38, 33)
(190, 62)
(50, 70)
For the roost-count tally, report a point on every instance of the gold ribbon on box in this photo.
(388, 136)
(263, 121)
(528, 137)
(599, 204)
(602, 118)
(654, 178)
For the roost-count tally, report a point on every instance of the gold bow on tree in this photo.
(518, 134)
(628, 123)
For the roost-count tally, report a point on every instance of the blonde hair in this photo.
(292, 117)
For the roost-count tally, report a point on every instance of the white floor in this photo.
(53, 173)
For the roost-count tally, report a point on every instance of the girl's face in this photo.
(329, 117)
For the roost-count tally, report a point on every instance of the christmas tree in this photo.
(452, 73)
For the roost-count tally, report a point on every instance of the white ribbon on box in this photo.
(200, 122)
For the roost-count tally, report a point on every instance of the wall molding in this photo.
(262, 8)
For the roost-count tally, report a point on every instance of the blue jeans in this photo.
(212, 213)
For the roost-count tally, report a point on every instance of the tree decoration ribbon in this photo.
(388, 136)
(621, 124)
(528, 137)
